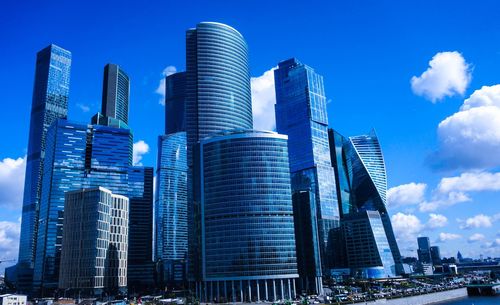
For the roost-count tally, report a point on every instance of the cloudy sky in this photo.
(425, 75)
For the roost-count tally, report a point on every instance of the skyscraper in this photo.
(361, 186)
(435, 255)
(247, 231)
(424, 250)
(140, 233)
(115, 93)
(77, 156)
(50, 102)
(171, 189)
(302, 115)
(217, 98)
(95, 242)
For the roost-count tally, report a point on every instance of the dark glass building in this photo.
(424, 250)
(140, 230)
(50, 102)
(302, 115)
(115, 93)
(175, 103)
(247, 246)
(361, 187)
(435, 255)
(218, 98)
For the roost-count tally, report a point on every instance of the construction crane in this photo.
(7, 260)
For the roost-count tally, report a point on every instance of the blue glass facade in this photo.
(171, 229)
(115, 93)
(247, 230)
(218, 98)
(362, 184)
(50, 102)
(140, 230)
(175, 102)
(302, 115)
(77, 156)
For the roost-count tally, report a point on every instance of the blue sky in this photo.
(442, 154)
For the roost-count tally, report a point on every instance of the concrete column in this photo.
(218, 296)
(232, 291)
(294, 288)
(267, 294)
(282, 290)
(258, 291)
(205, 291)
(211, 292)
(274, 290)
(225, 292)
(289, 290)
(241, 290)
(250, 291)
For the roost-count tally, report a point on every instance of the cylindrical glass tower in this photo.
(247, 230)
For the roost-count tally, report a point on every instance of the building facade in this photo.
(424, 250)
(95, 242)
(218, 98)
(247, 249)
(361, 187)
(80, 156)
(435, 255)
(140, 234)
(302, 115)
(115, 93)
(50, 102)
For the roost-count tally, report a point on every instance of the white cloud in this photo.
(140, 148)
(406, 226)
(9, 239)
(12, 182)
(406, 194)
(443, 237)
(263, 100)
(472, 181)
(161, 87)
(476, 237)
(470, 138)
(443, 200)
(436, 221)
(478, 221)
(448, 74)
(83, 107)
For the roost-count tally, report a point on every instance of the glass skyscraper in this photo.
(77, 156)
(218, 98)
(140, 233)
(247, 242)
(94, 243)
(362, 185)
(302, 115)
(50, 102)
(171, 228)
(424, 250)
(115, 93)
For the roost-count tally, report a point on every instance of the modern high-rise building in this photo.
(424, 250)
(140, 235)
(302, 115)
(435, 255)
(50, 102)
(171, 232)
(77, 156)
(115, 93)
(361, 187)
(247, 241)
(218, 98)
(171, 229)
(94, 243)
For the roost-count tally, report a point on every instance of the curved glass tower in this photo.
(115, 93)
(247, 229)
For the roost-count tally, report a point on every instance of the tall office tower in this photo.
(77, 156)
(424, 250)
(50, 102)
(94, 243)
(115, 93)
(217, 98)
(435, 255)
(140, 236)
(361, 186)
(302, 115)
(247, 230)
(171, 189)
